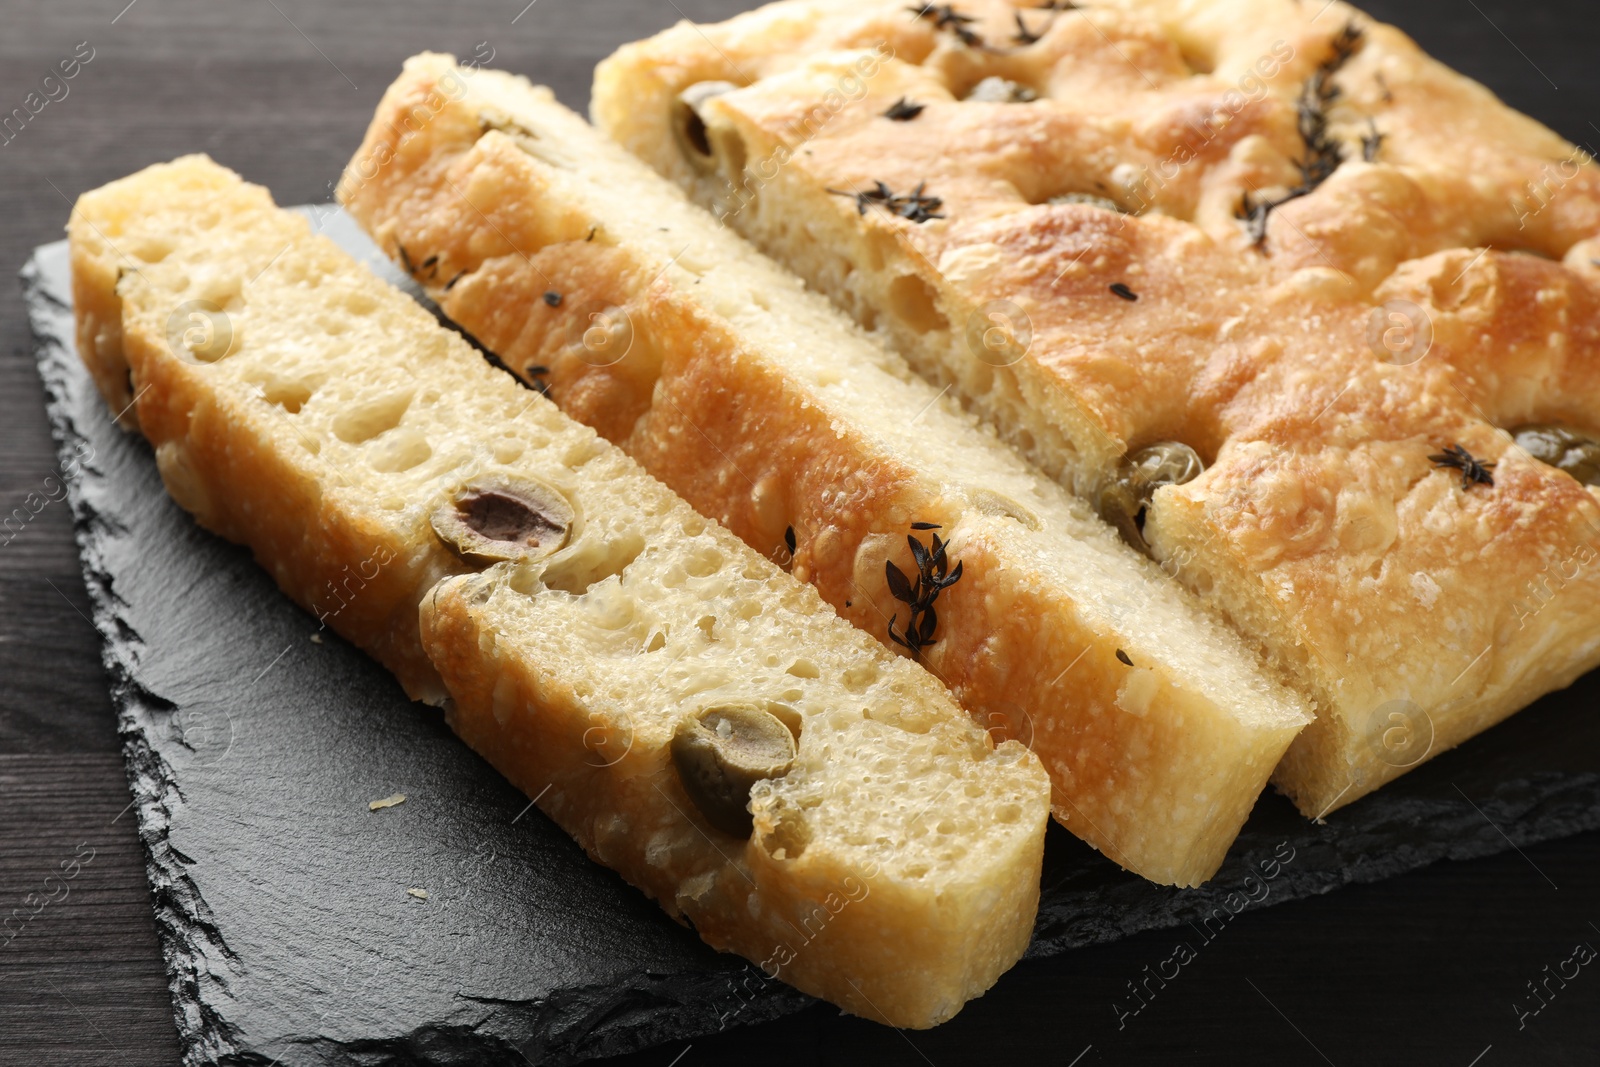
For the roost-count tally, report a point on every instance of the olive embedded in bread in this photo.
(501, 517)
(1562, 448)
(687, 123)
(1122, 500)
(723, 751)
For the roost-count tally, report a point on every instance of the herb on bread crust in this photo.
(946, 17)
(914, 206)
(1322, 153)
(1473, 471)
(903, 110)
(934, 576)
(1023, 36)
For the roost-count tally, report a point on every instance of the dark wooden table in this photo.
(1423, 969)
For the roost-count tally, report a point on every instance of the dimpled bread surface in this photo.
(320, 417)
(767, 409)
(1433, 284)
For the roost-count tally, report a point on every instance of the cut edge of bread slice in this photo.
(578, 613)
(592, 277)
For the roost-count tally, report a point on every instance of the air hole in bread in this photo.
(703, 562)
(880, 249)
(400, 450)
(858, 679)
(361, 424)
(913, 301)
(788, 837)
(508, 450)
(287, 393)
(1197, 62)
(803, 668)
(358, 303)
(787, 715)
(657, 641)
(980, 378)
(707, 624)
(153, 249)
(588, 563)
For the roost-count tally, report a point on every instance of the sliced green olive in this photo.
(997, 90)
(722, 751)
(1122, 500)
(1562, 448)
(688, 125)
(502, 517)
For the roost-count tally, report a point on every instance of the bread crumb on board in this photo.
(420, 894)
(387, 802)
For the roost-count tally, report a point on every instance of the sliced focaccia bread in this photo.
(1272, 262)
(695, 717)
(767, 409)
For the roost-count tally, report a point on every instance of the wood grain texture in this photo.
(1421, 969)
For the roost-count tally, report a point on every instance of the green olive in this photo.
(1562, 448)
(1122, 500)
(501, 517)
(722, 751)
(688, 125)
(997, 90)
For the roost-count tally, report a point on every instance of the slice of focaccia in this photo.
(766, 408)
(695, 717)
(1313, 319)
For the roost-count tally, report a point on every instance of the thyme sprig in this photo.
(904, 110)
(946, 17)
(934, 576)
(915, 205)
(1322, 153)
(1473, 471)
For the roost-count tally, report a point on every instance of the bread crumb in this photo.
(420, 894)
(316, 639)
(387, 802)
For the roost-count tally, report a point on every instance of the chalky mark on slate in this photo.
(281, 900)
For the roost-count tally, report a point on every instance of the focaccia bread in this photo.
(697, 719)
(1266, 238)
(766, 408)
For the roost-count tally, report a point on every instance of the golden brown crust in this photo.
(1370, 575)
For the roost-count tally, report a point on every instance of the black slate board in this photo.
(290, 937)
